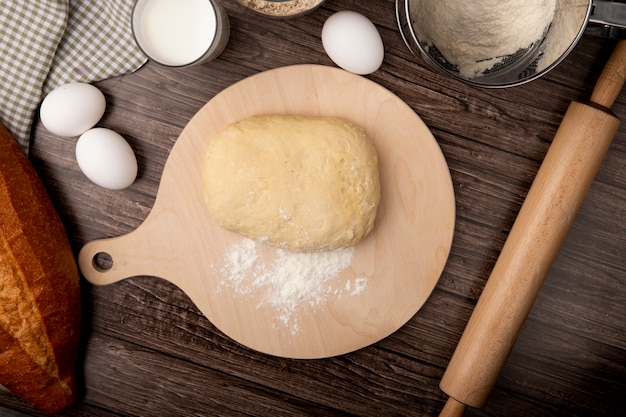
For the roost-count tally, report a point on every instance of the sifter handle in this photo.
(575, 155)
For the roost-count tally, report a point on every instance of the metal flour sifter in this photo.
(572, 18)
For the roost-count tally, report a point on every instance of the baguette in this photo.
(39, 289)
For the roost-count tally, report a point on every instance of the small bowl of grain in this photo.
(281, 9)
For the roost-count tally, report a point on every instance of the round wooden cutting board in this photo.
(390, 273)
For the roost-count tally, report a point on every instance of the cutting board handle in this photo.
(147, 250)
(95, 257)
(144, 251)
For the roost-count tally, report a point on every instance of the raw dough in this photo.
(300, 183)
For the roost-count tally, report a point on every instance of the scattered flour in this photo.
(476, 35)
(358, 287)
(239, 260)
(291, 279)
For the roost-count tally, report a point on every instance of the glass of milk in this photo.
(180, 33)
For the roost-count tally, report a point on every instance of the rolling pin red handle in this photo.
(551, 205)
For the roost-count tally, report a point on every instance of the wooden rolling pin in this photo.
(574, 157)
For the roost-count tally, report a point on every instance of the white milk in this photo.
(175, 32)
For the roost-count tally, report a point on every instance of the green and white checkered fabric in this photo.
(47, 43)
(97, 44)
(30, 32)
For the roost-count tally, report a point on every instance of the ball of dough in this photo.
(300, 183)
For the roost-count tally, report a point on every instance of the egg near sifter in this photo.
(352, 41)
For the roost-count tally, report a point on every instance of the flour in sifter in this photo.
(291, 279)
(476, 35)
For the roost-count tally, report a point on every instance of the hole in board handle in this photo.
(102, 262)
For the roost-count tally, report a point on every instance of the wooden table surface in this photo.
(148, 351)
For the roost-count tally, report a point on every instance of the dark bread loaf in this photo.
(39, 288)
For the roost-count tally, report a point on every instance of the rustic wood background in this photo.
(147, 350)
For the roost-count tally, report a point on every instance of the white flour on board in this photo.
(291, 279)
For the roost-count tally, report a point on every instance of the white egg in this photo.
(352, 42)
(72, 109)
(106, 158)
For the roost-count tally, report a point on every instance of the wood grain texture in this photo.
(143, 335)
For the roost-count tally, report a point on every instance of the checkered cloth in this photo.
(47, 43)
